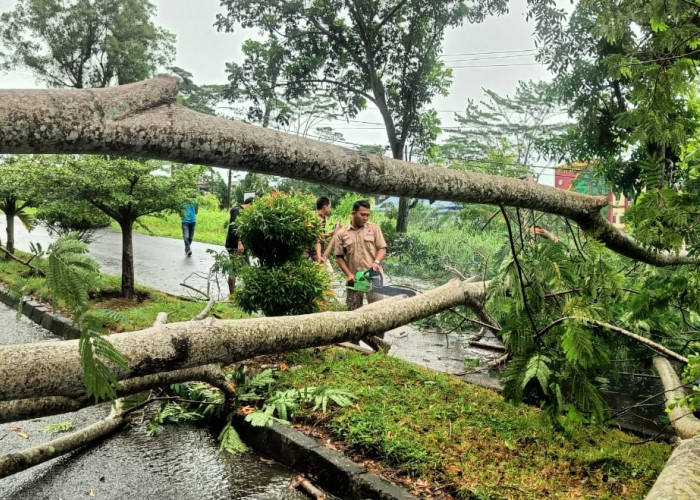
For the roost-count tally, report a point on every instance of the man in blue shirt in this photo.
(189, 220)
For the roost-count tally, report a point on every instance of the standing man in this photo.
(323, 210)
(233, 243)
(188, 217)
(359, 247)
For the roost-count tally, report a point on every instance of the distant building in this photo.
(577, 177)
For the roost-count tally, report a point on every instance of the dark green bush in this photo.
(278, 227)
(294, 287)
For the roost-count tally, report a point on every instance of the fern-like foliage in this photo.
(17, 290)
(71, 274)
(230, 440)
(171, 413)
(262, 418)
(94, 349)
(538, 368)
(283, 403)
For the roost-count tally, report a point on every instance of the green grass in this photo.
(468, 439)
(140, 311)
(211, 226)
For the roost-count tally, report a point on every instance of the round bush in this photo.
(278, 227)
(294, 287)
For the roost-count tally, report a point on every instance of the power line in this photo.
(495, 65)
(459, 54)
(490, 58)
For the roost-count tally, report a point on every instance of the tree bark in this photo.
(402, 219)
(53, 369)
(144, 120)
(682, 419)
(128, 285)
(10, 232)
(680, 477)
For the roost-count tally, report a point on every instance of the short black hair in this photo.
(322, 201)
(360, 203)
(248, 200)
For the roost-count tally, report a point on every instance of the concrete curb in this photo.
(330, 470)
(326, 468)
(38, 313)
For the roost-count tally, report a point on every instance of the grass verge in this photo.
(467, 441)
(140, 311)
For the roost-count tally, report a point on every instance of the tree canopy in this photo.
(386, 53)
(124, 190)
(81, 43)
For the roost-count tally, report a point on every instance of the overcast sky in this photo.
(495, 54)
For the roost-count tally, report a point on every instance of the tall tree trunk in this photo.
(127, 258)
(402, 220)
(10, 216)
(397, 150)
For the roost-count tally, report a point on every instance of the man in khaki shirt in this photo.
(358, 247)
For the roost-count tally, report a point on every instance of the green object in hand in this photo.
(363, 281)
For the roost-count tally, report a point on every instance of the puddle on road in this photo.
(449, 353)
(182, 462)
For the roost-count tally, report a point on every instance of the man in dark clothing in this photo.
(233, 243)
(323, 210)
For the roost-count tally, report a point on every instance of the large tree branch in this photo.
(54, 369)
(16, 462)
(21, 409)
(143, 120)
(679, 478)
(681, 417)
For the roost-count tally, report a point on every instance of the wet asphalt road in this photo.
(158, 262)
(181, 462)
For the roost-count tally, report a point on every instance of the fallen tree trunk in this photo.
(54, 369)
(144, 120)
(22, 409)
(16, 462)
(682, 419)
(680, 478)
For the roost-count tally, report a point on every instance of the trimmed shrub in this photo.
(294, 287)
(278, 228)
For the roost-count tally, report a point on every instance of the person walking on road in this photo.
(188, 217)
(360, 246)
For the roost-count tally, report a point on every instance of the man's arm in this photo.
(344, 267)
(381, 253)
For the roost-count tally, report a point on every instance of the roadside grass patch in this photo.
(469, 439)
(211, 226)
(139, 312)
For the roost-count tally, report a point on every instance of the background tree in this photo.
(511, 126)
(626, 75)
(358, 51)
(80, 43)
(19, 188)
(202, 98)
(251, 183)
(124, 190)
(260, 81)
